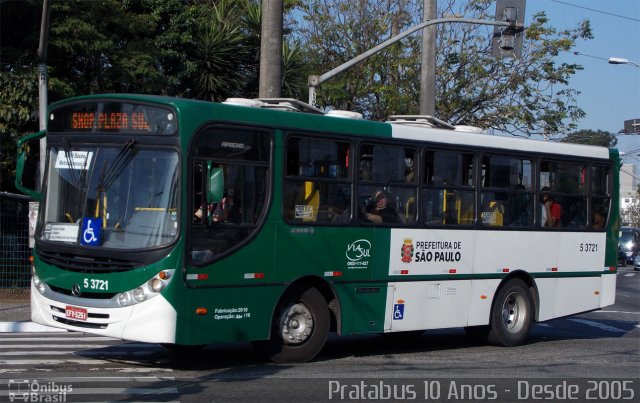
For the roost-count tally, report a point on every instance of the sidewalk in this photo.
(15, 315)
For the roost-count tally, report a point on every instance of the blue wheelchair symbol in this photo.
(91, 231)
(398, 311)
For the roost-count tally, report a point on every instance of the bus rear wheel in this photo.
(511, 315)
(300, 328)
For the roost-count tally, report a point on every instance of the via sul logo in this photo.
(358, 250)
(406, 251)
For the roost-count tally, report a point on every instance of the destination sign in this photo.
(113, 117)
(111, 120)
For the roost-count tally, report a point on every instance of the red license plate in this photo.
(75, 313)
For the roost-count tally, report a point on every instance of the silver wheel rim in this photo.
(296, 324)
(514, 312)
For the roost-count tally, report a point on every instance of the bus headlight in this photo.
(124, 299)
(39, 284)
(146, 291)
(138, 294)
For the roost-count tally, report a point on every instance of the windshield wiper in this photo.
(109, 175)
(78, 180)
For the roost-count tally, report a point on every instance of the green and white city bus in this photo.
(184, 222)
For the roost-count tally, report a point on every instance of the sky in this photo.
(609, 94)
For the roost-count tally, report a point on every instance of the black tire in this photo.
(299, 329)
(511, 314)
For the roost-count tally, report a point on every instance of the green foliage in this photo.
(592, 137)
(522, 97)
(18, 115)
(205, 49)
(335, 32)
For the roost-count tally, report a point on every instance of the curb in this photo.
(27, 327)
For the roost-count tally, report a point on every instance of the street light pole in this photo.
(42, 87)
(428, 65)
(315, 80)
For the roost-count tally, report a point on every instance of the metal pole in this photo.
(42, 87)
(428, 66)
(271, 49)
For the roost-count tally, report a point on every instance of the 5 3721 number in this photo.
(588, 247)
(93, 284)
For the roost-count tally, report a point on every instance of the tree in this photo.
(335, 32)
(522, 97)
(186, 48)
(18, 80)
(591, 137)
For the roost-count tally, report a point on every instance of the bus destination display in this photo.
(109, 120)
(112, 117)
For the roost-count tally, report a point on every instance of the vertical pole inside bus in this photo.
(215, 188)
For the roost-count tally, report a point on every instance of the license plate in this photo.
(73, 312)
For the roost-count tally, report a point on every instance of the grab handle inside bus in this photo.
(215, 184)
(24, 149)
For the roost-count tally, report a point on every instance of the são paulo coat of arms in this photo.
(407, 250)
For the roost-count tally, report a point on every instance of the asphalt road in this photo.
(594, 356)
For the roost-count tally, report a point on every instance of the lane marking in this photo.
(599, 325)
(629, 313)
(70, 338)
(74, 352)
(79, 361)
(28, 326)
(77, 346)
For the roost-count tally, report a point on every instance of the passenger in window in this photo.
(227, 211)
(518, 208)
(551, 210)
(378, 210)
(409, 173)
(598, 219)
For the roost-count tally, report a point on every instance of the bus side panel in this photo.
(325, 252)
(547, 296)
(578, 294)
(362, 307)
(440, 252)
(492, 257)
(482, 293)
(420, 305)
(608, 289)
(234, 314)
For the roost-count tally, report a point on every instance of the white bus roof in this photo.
(497, 142)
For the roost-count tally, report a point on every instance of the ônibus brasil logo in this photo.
(359, 250)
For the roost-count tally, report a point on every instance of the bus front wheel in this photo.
(511, 315)
(300, 328)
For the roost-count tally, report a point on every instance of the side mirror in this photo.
(24, 148)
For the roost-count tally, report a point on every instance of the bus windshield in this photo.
(113, 197)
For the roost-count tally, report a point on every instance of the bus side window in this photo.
(317, 182)
(448, 195)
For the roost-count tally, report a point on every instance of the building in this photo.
(628, 185)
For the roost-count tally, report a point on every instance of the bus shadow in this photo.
(242, 355)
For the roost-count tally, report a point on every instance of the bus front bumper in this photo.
(152, 321)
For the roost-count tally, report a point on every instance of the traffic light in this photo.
(507, 41)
